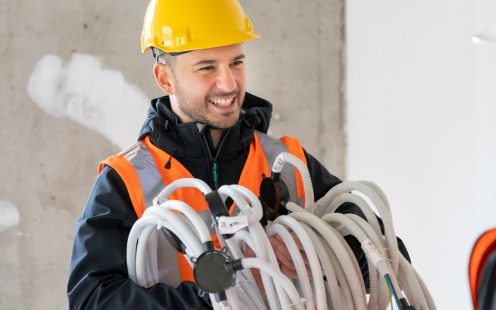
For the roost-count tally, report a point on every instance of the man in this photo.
(207, 126)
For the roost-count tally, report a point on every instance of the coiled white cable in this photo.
(181, 183)
(380, 201)
(321, 238)
(327, 202)
(329, 271)
(410, 285)
(278, 229)
(132, 245)
(279, 277)
(245, 278)
(363, 205)
(316, 271)
(425, 290)
(261, 244)
(374, 256)
(383, 296)
(332, 237)
(144, 275)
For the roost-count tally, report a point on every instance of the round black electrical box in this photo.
(274, 195)
(211, 272)
(268, 195)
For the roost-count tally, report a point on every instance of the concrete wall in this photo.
(52, 138)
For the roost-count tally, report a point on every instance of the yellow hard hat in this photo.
(185, 25)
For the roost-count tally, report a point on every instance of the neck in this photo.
(216, 134)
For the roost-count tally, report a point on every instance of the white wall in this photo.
(422, 124)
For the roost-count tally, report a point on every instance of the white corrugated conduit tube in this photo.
(328, 275)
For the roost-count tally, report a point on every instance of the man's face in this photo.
(209, 86)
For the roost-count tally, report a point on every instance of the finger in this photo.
(300, 247)
(280, 248)
(248, 252)
(282, 254)
(298, 242)
(292, 274)
(283, 259)
(305, 258)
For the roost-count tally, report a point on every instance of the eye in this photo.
(238, 63)
(207, 68)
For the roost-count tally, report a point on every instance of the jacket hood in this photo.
(181, 137)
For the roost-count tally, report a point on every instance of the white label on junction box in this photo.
(232, 224)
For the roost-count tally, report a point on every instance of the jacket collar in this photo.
(167, 132)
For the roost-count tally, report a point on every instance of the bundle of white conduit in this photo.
(334, 279)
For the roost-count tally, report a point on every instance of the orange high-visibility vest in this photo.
(141, 167)
(483, 248)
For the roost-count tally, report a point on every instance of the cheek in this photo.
(240, 75)
(199, 88)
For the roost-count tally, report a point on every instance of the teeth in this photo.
(222, 102)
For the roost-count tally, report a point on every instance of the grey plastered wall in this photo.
(48, 164)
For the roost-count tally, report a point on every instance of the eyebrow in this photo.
(212, 61)
(242, 56)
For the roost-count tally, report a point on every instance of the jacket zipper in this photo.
(213, 160)
(215, 174)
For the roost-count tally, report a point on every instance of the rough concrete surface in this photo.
(48, 164)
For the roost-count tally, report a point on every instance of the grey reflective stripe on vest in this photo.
(149, 176)
(273, 147)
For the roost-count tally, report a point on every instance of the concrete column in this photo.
(48, 163)
(298, 65)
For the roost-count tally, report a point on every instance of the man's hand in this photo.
(283, 257)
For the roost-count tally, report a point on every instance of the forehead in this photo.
(218, 54)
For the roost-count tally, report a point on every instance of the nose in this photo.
(226, 80)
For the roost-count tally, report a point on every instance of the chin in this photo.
(224, 125)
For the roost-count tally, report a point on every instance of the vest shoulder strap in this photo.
(294, 147)
(272, 147)
(129, 176)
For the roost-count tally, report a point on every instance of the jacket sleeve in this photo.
(98, 272)
(322, 182)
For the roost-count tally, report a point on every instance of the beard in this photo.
(197, 109)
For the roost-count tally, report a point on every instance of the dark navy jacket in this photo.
(98, 272)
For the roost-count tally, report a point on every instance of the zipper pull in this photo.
(169, 163)
(216, 175)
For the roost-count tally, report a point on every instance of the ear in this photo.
(163, 76)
